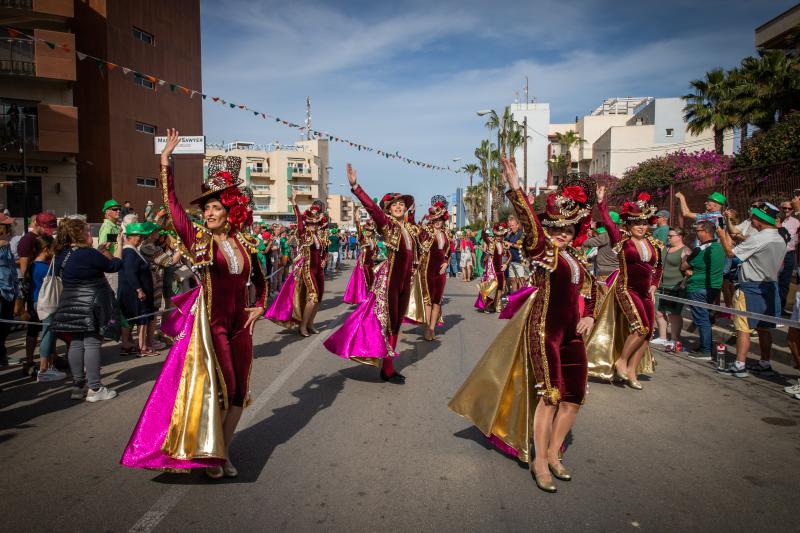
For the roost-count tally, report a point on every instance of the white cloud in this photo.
(348, 64)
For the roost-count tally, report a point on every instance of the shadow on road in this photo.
(253, 447)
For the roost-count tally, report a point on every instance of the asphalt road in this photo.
(326, 446)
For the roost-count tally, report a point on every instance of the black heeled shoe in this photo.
(397, 378)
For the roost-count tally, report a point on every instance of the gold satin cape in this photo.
(195, 429)
(604, 345)
(496, 396)
(416, 303)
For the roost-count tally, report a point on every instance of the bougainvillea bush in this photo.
(779, 143)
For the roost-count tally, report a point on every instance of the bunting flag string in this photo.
(104, 65)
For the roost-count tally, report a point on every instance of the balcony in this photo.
(17, 123)
(261, 207)
(303, 190)
(17, 57)
(262, 172)
(260, 190)
(59, 8)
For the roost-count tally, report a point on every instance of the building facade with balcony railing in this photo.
(273, 170)
(38, 118)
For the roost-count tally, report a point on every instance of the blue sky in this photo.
(409, 75)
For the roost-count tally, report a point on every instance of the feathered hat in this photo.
(641, 209)
(392, 197)
(571, 205)
(500, 229)
(223, 174)
(438, 210)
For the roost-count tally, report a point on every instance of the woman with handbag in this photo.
(673, 283)
(40, 269)
(87, 308)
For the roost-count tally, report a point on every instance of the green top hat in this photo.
(614, 217)
(766, 212)
(140, 228)
(109, 204)
(718, 198)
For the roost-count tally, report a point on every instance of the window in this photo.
(144, 82)
(149, 129)
(258, 166)
(146, 182)
(144, 36)
(670, 132)
(17, 56)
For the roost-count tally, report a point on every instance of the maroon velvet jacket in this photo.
(312, 248)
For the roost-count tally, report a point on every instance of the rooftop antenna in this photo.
(308, 118)
(527, 101)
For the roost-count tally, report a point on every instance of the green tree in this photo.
(709, 105)
(471, 169)
(768, 86)
(566, 141)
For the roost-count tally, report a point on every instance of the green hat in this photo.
(140, 228)
(766, 212)
(614, 217)
(109, 204)
(601, 230)
(718, 198)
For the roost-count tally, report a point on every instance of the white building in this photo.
(538, 115)
(656, 128)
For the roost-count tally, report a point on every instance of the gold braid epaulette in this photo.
(519, 200)
(548, 259)
(247, 241)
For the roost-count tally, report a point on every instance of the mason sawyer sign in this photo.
(188, 145)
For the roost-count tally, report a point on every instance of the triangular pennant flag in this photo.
(232, 105)
(66, 48)
(152, 79)
(215, 98)
(263, 115)
(50, 45)
(110, 66)
(204, 96)
(82, 56)
(172, 87)
(162, 82)
(255, 113)
(185, 91)
(12, 33)
(242, 106)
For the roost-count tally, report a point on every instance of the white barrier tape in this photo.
(722, 309)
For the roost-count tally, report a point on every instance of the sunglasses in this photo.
(785, 208)
(116, 209)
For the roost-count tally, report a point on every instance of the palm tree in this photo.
(558, 167)
(566, 141)
(475, 202)
(770, 85)
(709, 106)
(516, 138)
(471, 169)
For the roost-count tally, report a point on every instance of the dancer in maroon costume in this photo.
(639, 275)
(368, 245)
(400, 238)
(231, 264)
(533, 377)
(435, 244)
(311, 245)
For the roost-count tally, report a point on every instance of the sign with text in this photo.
(188, 145)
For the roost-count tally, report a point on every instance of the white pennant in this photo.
(81, 56)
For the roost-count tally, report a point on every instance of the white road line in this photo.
(167, 502)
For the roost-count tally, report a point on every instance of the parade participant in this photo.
(362, 277)
(435, 246)
(208, 367)
(625, 322)
(369, 335)
(298, 300)
(493, 285)
(109, 229)
(531, 382)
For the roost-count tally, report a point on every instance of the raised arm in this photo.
(534, 233)
(614, 235)
(183, 226)
(377, 214)
(685, 211)
(301, 229)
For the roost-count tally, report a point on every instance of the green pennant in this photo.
(172, 87)
(204, 96)
(51, 45)
(232, 105)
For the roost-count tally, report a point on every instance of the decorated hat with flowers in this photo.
(369, 225)
(572, 202)
(313, 215)
(641, 209)
(438, 211)
(222, 184)
(392, 197)
(500, 229)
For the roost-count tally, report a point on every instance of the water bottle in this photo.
(720, 356)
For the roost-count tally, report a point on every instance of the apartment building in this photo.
(341, 210)
(38, 120)
(121, 113)
(781, 33)
(272, 170)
